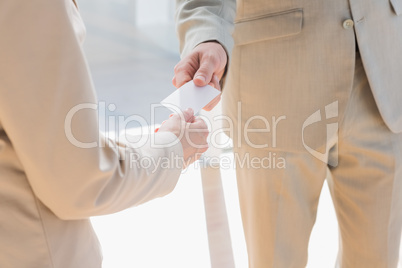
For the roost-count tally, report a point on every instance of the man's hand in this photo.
(205, 65)
(192, 132)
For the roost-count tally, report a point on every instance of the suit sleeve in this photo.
(198, 21)
(48, 109)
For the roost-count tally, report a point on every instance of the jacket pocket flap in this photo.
(268, 27)
(397, 5)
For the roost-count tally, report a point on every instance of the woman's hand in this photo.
(192, 132)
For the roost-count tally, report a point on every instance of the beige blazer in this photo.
(49, 183)
(292, 62)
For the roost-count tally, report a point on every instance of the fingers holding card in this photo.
(190, 96)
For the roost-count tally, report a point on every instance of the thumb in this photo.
(188, 115)
(204, 74)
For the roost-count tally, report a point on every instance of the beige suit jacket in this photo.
(49, 187)
(292, 58)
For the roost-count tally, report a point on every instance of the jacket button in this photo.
(347, 24)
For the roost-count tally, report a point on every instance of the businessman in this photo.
(318, 84)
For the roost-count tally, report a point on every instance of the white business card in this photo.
(190, 96)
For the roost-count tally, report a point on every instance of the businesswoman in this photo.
(57, 170)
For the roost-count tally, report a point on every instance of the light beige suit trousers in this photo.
(279, 205)
(296, 92)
